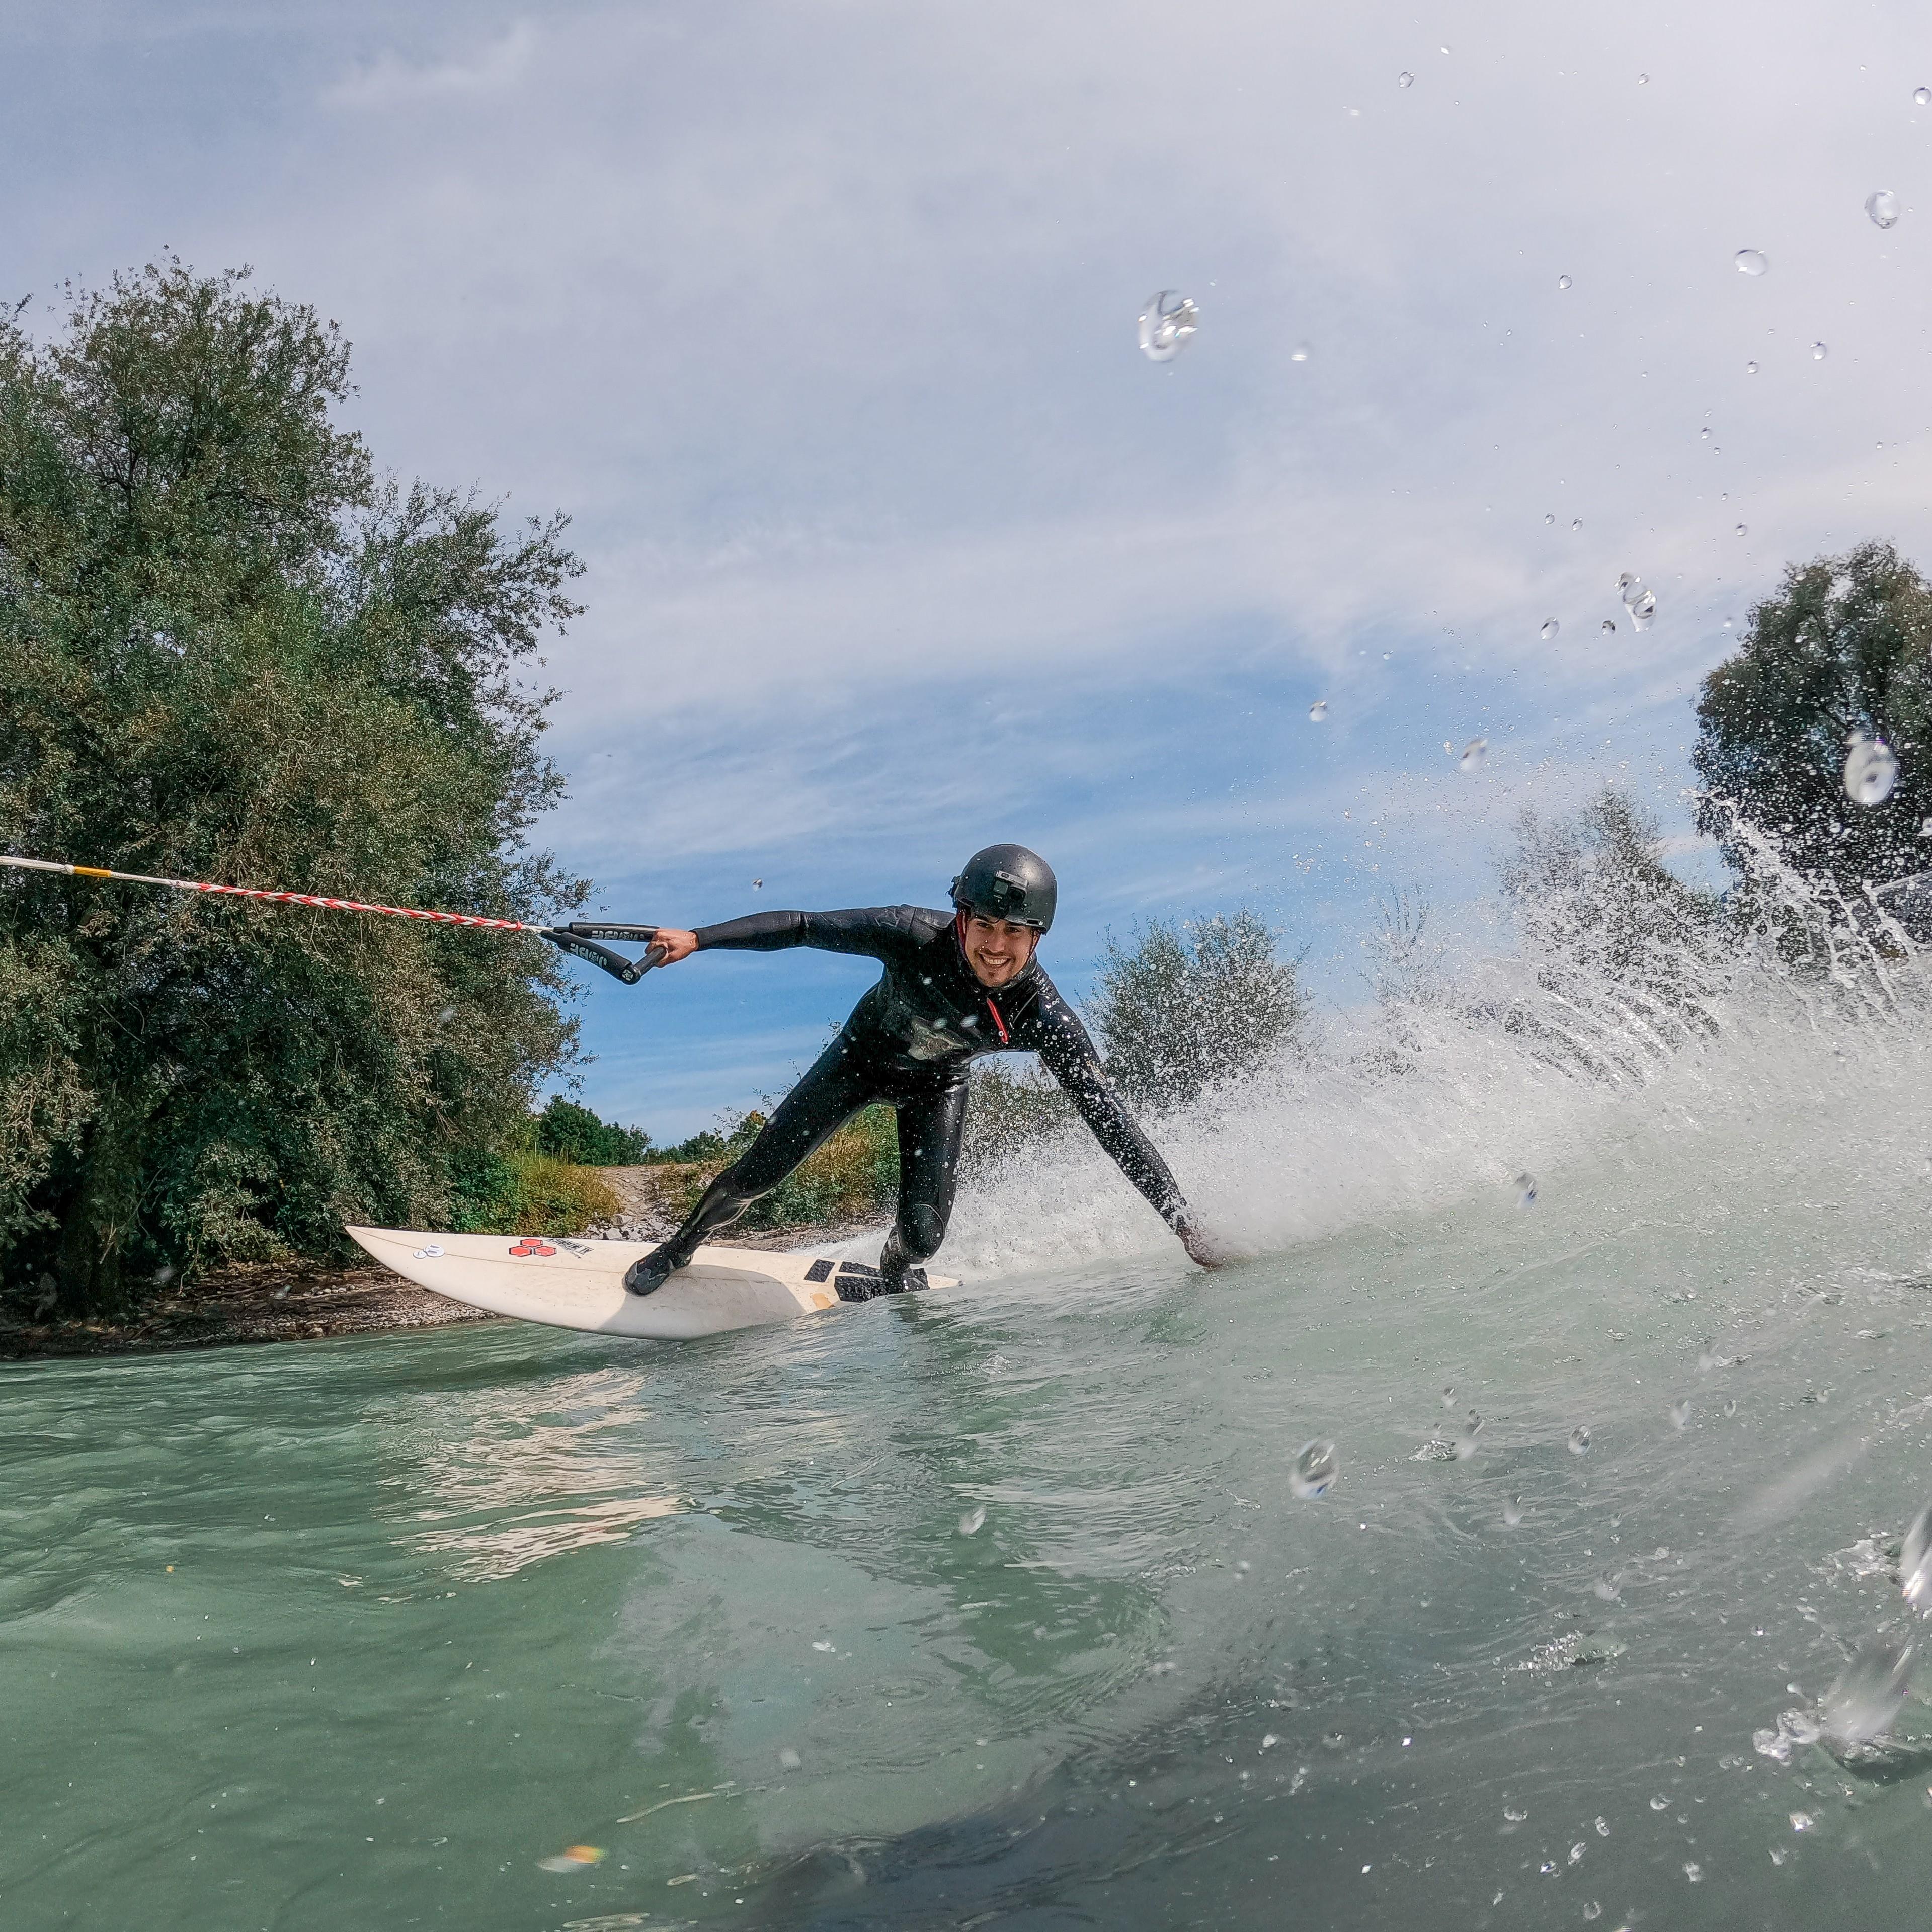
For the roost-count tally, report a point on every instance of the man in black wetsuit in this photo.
(954, 986)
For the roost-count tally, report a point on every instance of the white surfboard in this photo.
(572, 1284)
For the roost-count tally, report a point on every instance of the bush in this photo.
(1012, 1109)
(1632, 956)
(1592, 892)
(852, 1176)
(532, 1194)
(1189, 1007)
(574, 1133)
(229, 652)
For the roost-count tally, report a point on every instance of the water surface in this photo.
(361, 1632)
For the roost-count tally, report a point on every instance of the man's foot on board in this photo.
(897, 1275)
(645, 1276)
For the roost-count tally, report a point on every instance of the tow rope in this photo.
(578, 939)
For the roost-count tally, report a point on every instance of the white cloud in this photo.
(391, 80)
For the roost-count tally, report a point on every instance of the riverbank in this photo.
(298, 1302)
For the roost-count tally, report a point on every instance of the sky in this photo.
(820, 321)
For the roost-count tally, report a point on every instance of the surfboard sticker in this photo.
(573, 1284)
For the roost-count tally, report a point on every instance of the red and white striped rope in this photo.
(315, 899)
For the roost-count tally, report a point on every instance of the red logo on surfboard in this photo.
(528, 1245)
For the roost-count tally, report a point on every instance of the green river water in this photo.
(365, 1633)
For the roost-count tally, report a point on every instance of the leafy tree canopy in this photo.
(1845, 646)
(1188, 1007)
(228, 651)
(568, 1132)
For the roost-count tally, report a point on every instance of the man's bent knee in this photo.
(922, 1228)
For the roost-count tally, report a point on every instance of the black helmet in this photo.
(1008, 882)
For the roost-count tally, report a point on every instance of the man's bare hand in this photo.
(674, 944)
(1204, 1249)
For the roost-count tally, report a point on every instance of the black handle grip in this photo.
(586, 928)
(629, 970)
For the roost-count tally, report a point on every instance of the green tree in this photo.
(1186, 1008)
(567, 1132)
(1844, 647)
(228, 652)
(1613, 932)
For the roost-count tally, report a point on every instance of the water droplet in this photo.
(1603, 1828)
(1550, 516)
(1512, 1512)
(973, 1521)
(1915, 1563)
(1730, 1407)
(1742, 530)
(1862, 1704)
(1725, 625)
(1448, 1397)
(1680, 1415)
(1525, 1190)
(1705, 430)
(1299, 353)
(1405, 80)
(1750, 261)
(1580, 1440)
(1802, 1821)
(1643, 608)
(788, 1759)
(1168, 324)
(1314, 1470)
(1608, 624)
(1550, 628)
(1925, 828)
(1693, 1871)
(1871, 770)
(1606, 1587)
(1576, 1852)
(1660, 1804)
(820, 1643)
(1317, 711)
(1576, 523)
(1629, 584)
(1562, 281)
(1593, 1910)
(1819, 352)
(1750, 368)
(1333, 1741)
(1922, 97)
(1515, 1814)
(1882, 205)
(1474, 753)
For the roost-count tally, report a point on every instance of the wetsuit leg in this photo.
(931, 1126)
(838, 1083)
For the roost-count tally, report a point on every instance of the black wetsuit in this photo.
(908, 1044)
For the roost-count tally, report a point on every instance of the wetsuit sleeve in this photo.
(757, 932)
(875, 932)
(1069, 1057)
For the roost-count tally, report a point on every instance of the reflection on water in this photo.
(509, 1484)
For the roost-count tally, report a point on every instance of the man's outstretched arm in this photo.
(1069, 1057)
(872, 931)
